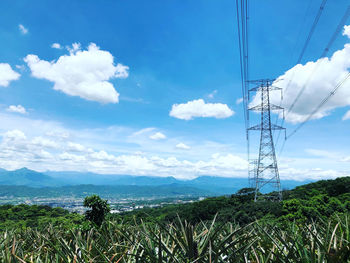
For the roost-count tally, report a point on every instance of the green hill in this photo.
(321, 199)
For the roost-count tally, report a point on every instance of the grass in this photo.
(181, 243)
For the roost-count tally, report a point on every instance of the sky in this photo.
(153, 87)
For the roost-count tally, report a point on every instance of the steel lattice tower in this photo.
(265, 170)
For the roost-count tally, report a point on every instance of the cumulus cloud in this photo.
(182, 146)
(7, 74)
(18, 109)
(318, 79)
(56, 46)
(23, 29)
(83, 73)
(157, 136)
(198, 108)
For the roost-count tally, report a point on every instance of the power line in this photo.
(340, 84)
(300, 31)
(341, 23)
(307, 41)
(241, 65)
(317, 18)
(242, 26)
(336, 32)
(318, 63)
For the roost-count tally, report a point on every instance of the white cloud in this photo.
(239, 101)
(14, 135)
(60, 135)
(211, 95)
(7, 74)
(143, 131)
(72, 157)
(346, 31)
(83, 73)
(56, 46)
(21, 67)
(18, 109)
(75, 147)
(110, 150)
(44, 142)
(322, 153)
(75, 47)
(40, 153)
(318, 78)
(345, 159)
(346, 116)
(157, 136)
(198, 108)
(182, 146)
(22, 29)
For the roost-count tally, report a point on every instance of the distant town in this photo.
(118, 205)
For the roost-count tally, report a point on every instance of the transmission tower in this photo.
(264, 172)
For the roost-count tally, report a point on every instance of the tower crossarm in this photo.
(259, 88)
(273, 107)
(261, 127)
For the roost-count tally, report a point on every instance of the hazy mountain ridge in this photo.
(206, 184)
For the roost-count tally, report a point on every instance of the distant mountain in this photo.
(72, 178)
(229, 185)
(26, 177)
(210, 184)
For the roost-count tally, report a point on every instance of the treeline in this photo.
(319, 200)
(39, 216)
(314, 201)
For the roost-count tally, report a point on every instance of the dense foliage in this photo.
(310, 225)
(304, 204)
(99, 208)
(181, 243)
(23, 216)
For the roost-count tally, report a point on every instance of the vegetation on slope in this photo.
(23, 216)
(310, 225)
(304, 203)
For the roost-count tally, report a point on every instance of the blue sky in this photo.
(152, 86)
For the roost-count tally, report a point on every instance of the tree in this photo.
(99, 209)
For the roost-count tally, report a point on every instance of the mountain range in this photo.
(212, 185)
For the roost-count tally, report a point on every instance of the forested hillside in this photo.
(308, 202)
